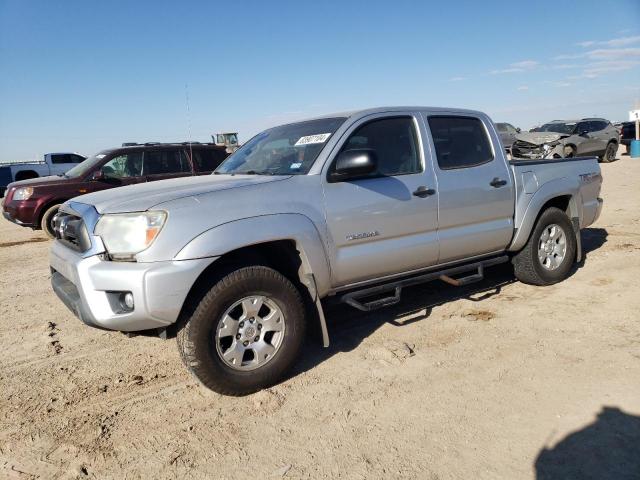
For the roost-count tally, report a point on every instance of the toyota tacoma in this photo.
(349, 207)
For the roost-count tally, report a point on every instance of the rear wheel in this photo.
(610, 153)
(550, 251)
(245, 333)
(46, 223)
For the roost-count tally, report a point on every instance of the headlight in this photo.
(125, 234)
(23, 193)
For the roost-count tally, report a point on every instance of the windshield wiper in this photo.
(255, 172)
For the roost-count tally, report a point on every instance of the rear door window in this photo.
(208, 159)
(600, 125)
(59, 158)
(158, 162)
(460, 142)
(582, 127)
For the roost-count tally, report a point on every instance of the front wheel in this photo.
(46, 223)
(550, 251)
(245, 333)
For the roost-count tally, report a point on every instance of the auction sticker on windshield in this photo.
(309, 139)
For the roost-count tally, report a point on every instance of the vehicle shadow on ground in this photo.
(592, 239)
(607, 448)
(348, 327)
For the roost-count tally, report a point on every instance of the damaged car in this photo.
(569, 138)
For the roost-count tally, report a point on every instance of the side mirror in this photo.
(584, 133)
(97, 176)
(355, 163)
(518, 130)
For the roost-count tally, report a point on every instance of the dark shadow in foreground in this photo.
(592, 239)
(607, 448)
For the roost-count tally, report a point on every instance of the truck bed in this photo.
(8, 163)
(536, 161)
(569, 176)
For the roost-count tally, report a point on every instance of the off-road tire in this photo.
(526, 264)
(610, 152)
(196, 336)
(45, 221)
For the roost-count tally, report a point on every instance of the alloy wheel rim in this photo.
(552, 247)
(250, 333)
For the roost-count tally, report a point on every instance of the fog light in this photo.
(126, 299)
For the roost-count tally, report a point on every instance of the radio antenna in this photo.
(186, 94)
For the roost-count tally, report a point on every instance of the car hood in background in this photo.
(539, 138)
(143, 196)
(43, 181)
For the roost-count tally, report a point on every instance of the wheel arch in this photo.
(559, 193)
(288, 243)
(25, 175)
(46, 206)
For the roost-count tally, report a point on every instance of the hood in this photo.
(42, 181)
(143, 196)
(539, 138)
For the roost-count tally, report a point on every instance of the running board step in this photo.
(459, 282)
(356, 298)
(374, 304)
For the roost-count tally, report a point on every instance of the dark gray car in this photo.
(569, 138)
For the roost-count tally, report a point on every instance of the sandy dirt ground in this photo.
(502, 380)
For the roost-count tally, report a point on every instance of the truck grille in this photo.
(71, 231)
(523, 149)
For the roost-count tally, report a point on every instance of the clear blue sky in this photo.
(86, 75)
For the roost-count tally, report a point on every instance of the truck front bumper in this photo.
(93, 289)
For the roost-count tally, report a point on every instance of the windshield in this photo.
(557, 127)
(502, 127)
(82, 168)
(285, 150)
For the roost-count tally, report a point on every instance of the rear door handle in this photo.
(423, 191)
(497, 182)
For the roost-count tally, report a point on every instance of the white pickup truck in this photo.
(51, 164)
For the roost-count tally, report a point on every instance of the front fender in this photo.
(525, 222)
(255, 230)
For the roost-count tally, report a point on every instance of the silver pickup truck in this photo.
(349, 207)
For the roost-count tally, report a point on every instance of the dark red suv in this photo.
(33, 203)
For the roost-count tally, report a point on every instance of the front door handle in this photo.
(497, 182)
(423, 191)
